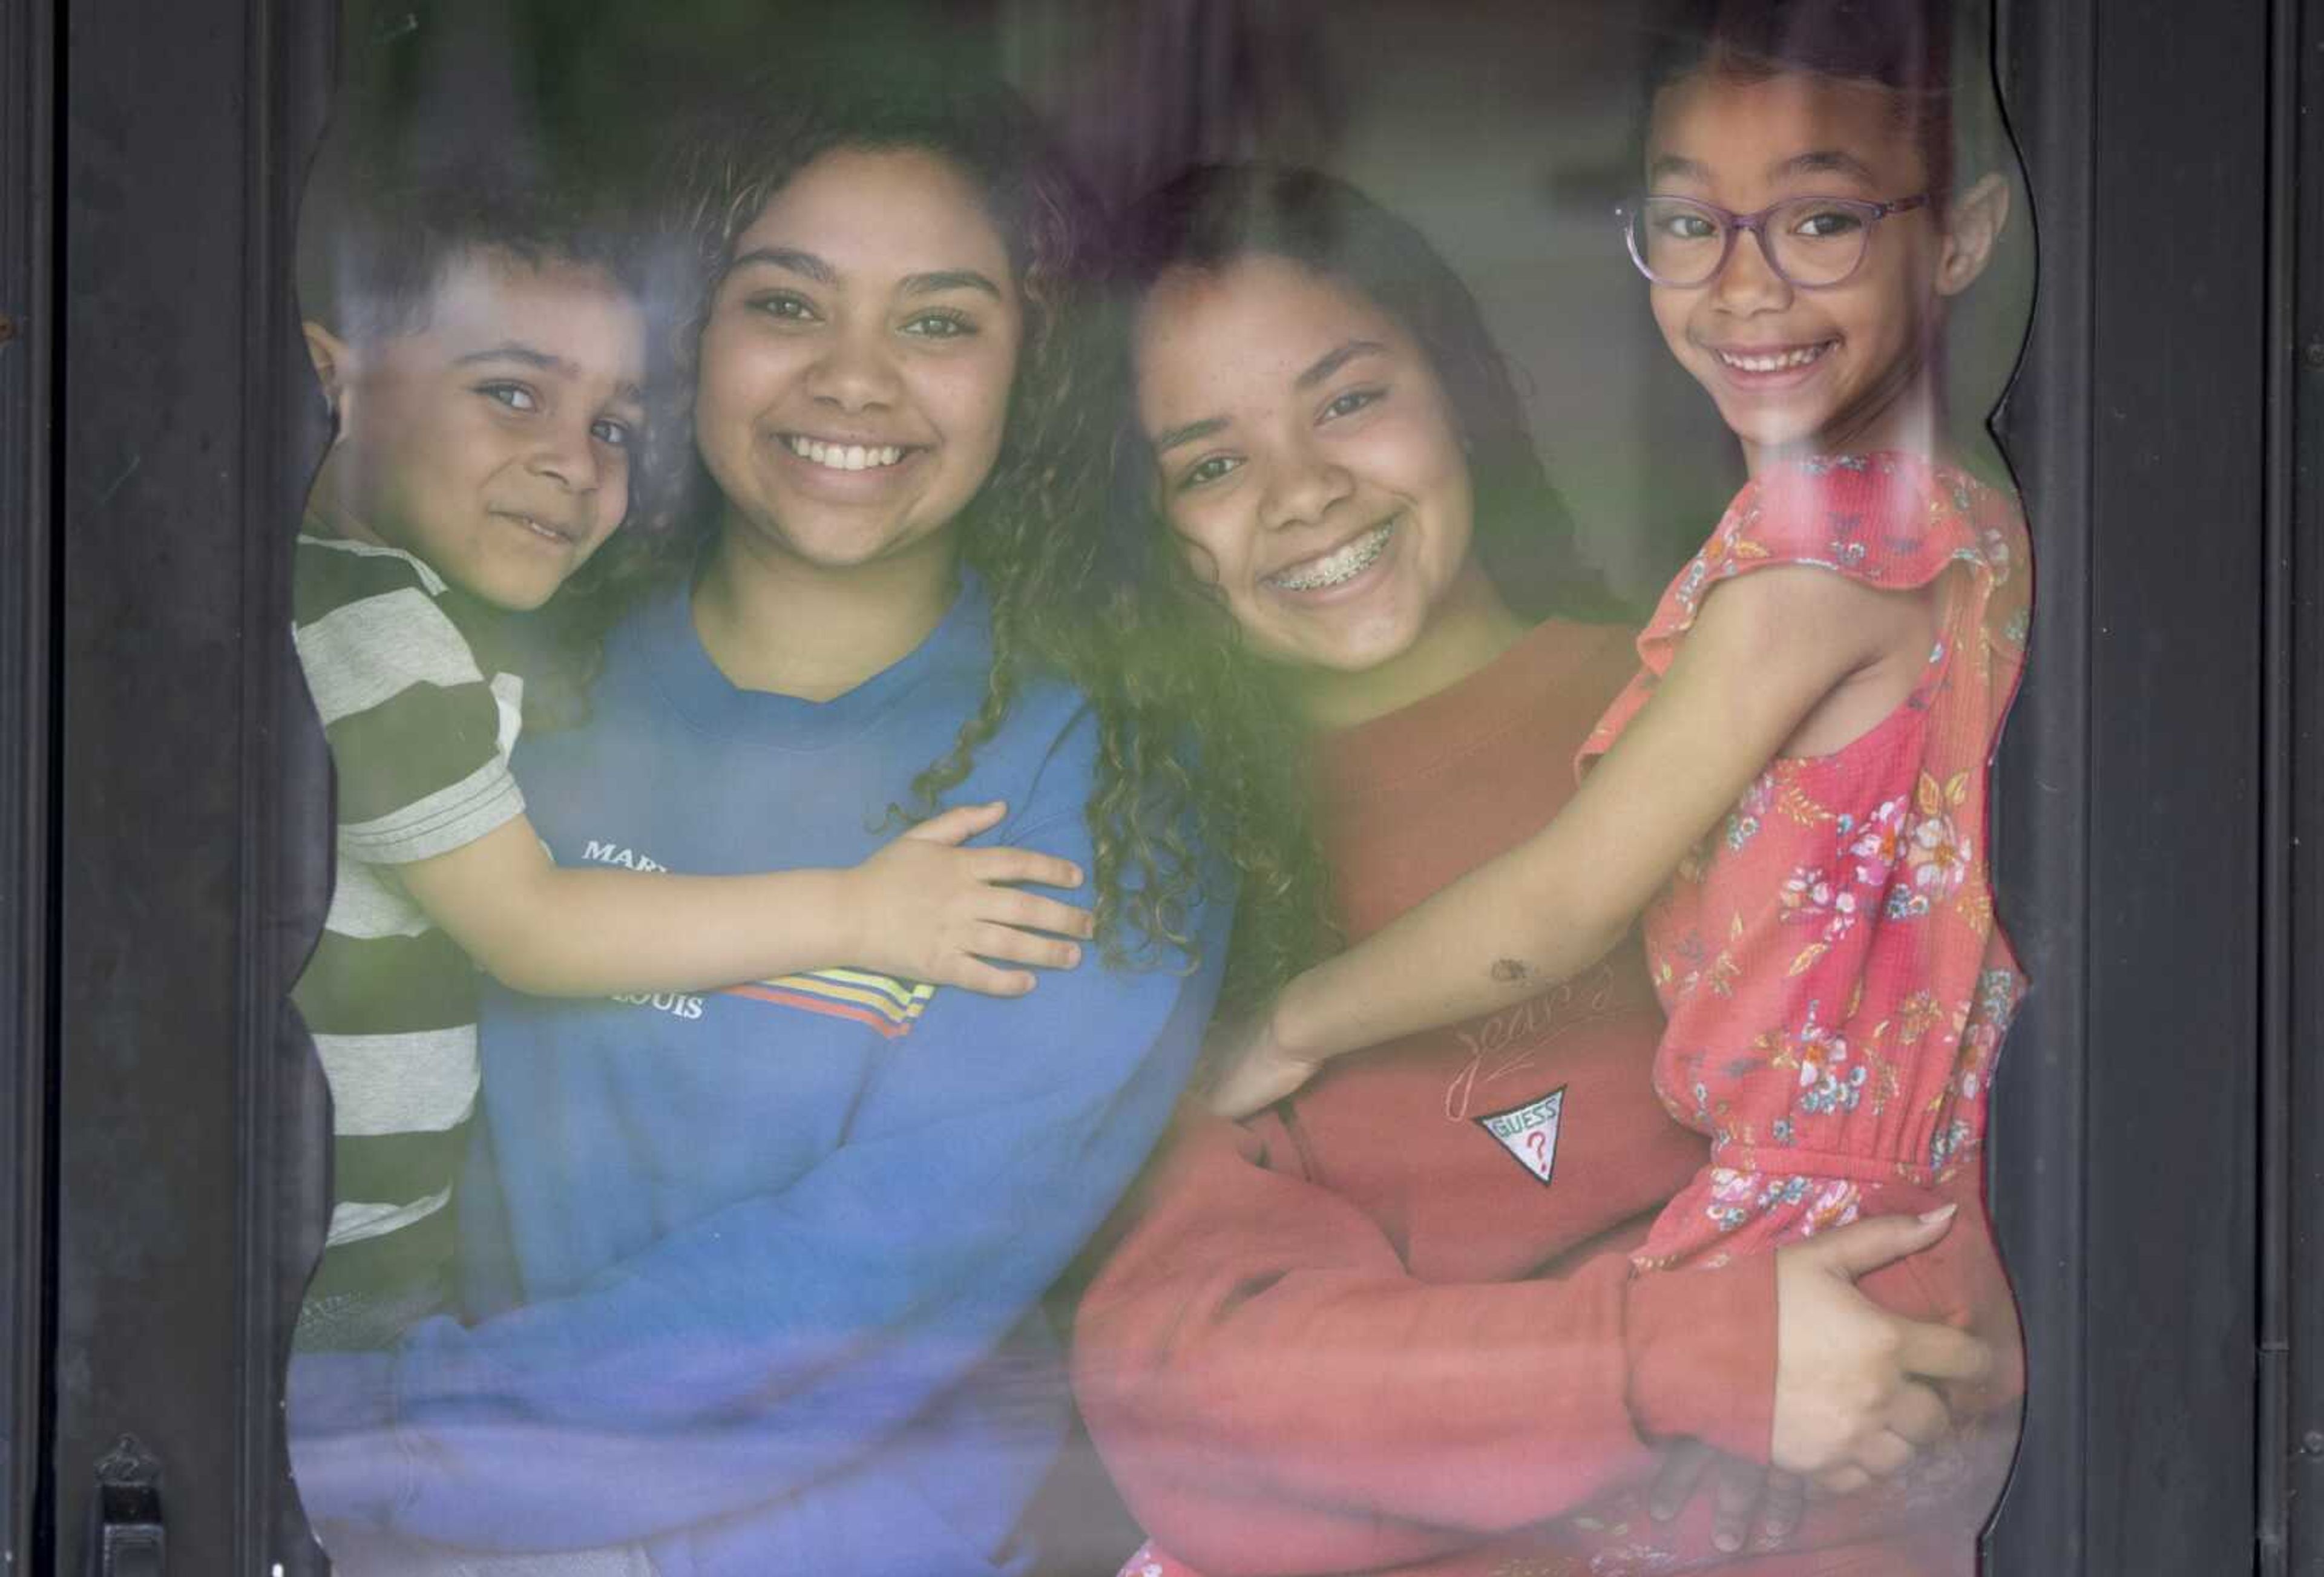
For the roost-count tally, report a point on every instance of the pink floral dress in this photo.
(1834, 980)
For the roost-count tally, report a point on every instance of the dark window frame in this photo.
(160, 775)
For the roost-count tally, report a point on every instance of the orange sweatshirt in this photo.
(1393, 1320)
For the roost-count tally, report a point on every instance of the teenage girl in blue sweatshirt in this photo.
(769, 1257)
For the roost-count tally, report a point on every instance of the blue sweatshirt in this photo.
(776, 1249)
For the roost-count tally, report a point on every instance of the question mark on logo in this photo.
(1537, 1141)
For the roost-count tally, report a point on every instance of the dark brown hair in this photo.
(1033, 531)
(1905, 47)
(1176, 635)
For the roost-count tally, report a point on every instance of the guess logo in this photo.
(1530, 1132)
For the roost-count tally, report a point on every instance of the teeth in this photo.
(1341, 563)
(1774, 363)
(842, 456)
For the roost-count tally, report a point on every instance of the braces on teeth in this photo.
(1342, 564)
(844, 456)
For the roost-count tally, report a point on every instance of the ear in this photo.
(334, 360)
(1973, 222)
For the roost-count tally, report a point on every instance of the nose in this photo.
(567, 456)
(1302, 485)
(856, 372)
(1748, 282)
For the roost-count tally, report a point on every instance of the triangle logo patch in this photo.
(1530, 1132)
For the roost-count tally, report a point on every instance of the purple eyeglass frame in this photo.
(1729, 222)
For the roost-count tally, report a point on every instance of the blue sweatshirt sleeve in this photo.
(784, 1337)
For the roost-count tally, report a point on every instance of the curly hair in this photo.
(1032, 533)
(1185, 650)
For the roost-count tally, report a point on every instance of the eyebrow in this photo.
(950, 278)
(1332, 362)
(1187, 434)
(805, 263)
(1822, 161)
(516, 350)
(809, 266)
(1328, 364)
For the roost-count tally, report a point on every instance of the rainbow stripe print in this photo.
(887, 1004)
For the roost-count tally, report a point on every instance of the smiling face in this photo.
(856, 363)
(1846, 367)
(1306, 456)
(493, 441)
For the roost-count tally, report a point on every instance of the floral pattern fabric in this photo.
(1835, 983)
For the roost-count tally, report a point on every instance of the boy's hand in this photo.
(1255, 1070)
(925, 908)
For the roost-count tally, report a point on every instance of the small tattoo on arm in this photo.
(1511, 971)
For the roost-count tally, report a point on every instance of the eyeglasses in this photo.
(1812, 243)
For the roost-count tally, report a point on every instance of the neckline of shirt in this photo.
(686, 677)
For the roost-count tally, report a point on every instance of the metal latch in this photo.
(130, 1538)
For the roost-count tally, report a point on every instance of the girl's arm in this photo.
(1765, 650)
(921, 907)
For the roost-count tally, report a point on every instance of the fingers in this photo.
(1785, 1503)
(960, 823)
(1030, 911)
(1234, 1101)
(1842, 1480)
(1868, 1245)
(1011, 945)
(1011, 864)
(1941, 1352)
(1743, 1494)
(1916, 1418)
(1884, 1455)
(976, 975)
(1735, 1496)
(1919, 1415)
(1674, 1481)
(1245, 1091)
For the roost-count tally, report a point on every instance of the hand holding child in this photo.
(1853, 1398)
(925, 908)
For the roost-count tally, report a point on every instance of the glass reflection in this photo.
(1315, 549)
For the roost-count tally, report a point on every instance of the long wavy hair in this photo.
(1033, 531)
(1180, 649)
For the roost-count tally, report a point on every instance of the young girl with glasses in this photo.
(1793, 788)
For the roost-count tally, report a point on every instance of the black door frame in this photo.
(179, 845)
(191, 826)
(2292, 1304)
(28, 588)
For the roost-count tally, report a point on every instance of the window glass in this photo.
(1161, 787)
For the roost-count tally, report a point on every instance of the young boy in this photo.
(483, 355)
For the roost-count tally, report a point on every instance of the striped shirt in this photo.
(420, 733)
